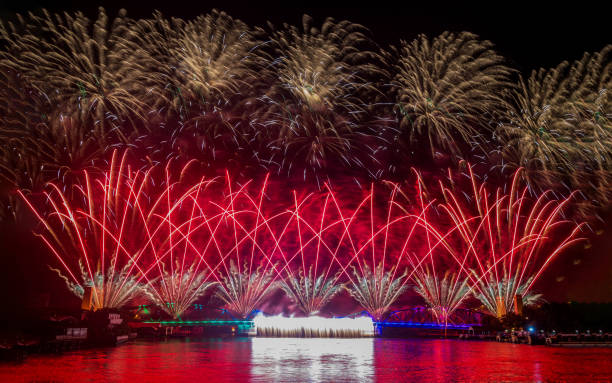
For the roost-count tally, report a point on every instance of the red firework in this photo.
(507, 239)
(97, 235)
(129, 233)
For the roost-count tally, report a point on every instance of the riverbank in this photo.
(552, 339)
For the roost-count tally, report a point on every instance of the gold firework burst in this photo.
(199, 76)
(558, 127)
(316, 107)
(78, 66)
(447, 90)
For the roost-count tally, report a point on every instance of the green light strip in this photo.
(207, 322)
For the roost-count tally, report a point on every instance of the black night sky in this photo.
(529, 34)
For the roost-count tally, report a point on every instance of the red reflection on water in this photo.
(212, 360)
(312, 360)
(453, 360)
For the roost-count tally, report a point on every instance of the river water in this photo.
(316, 360)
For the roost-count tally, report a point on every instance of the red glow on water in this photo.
(327, 360)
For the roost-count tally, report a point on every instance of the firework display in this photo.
(131, 234)
(243, 291)
(376, 290)
(97, 235)
(443, 287)
(448, 89)
(303, 103)
(558, 128)
(507, 239)
(316, 107)
(444, 295)
(199, 77)
(77, 68)
(177, 161)
(314, 283)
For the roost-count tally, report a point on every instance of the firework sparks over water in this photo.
(126, 233)
(443, 295)
(97, 235)
(379, 246)
(507, 239)
(297, 107)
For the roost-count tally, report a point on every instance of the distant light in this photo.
(531, 329)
